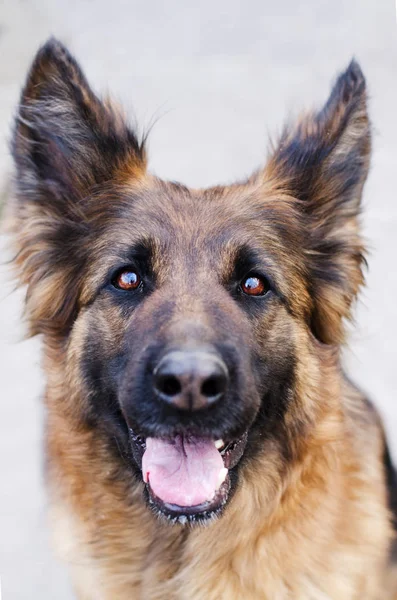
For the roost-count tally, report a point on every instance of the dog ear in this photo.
(66, 140)
(323, 162)
(66, 144)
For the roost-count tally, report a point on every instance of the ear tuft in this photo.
(350, 86)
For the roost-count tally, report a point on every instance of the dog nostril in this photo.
(169, 385)
(213, 386)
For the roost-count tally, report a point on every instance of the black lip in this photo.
(138, 447)
(201, 512)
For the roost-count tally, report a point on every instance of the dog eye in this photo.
(255, 285)
(127, 280)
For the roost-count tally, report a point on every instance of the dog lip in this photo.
(138, 447)
(233, 451)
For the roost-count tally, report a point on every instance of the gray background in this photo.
(219, 76)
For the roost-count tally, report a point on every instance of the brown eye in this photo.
(254, 285)
(127, 279)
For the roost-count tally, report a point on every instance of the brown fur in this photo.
(309, 519)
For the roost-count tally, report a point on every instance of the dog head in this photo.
(185, 321)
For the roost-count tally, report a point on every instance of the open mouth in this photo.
(187, 478)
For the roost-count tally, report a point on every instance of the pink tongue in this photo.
(185, 473)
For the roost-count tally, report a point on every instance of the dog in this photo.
(202, 440)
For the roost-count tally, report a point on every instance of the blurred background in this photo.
(218, 77)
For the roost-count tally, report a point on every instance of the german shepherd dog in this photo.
(202, 440)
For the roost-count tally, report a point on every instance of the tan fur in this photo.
(309, 519)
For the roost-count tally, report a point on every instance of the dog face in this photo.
(186, 319)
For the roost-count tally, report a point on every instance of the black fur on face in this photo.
(187, 300)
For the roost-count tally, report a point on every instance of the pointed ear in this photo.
(66, 144)
(65, 139)
(323, 163)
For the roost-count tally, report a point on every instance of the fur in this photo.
(310, 516)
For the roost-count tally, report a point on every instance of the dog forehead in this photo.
(177, 216)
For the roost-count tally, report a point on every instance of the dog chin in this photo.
(187, 480)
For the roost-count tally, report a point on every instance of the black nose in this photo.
(190, 379)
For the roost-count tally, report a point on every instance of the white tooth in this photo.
(219, 444)
(221, 477)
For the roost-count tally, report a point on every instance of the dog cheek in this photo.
(95, 363)
(275, 364)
